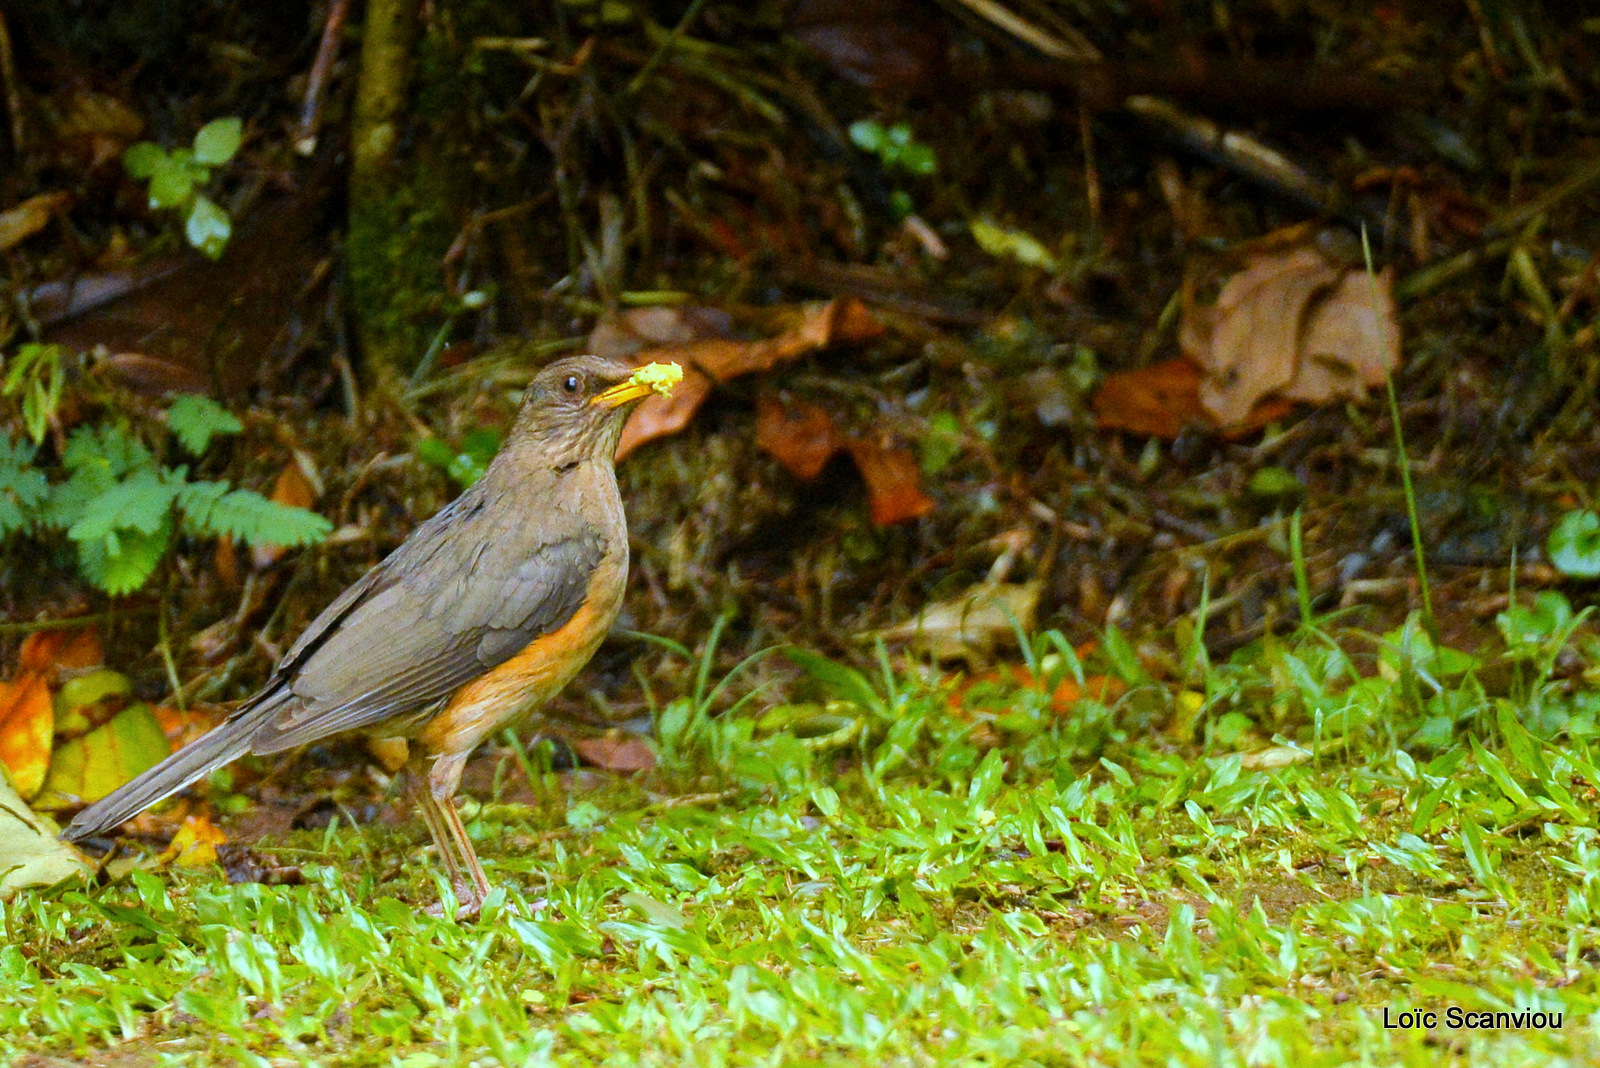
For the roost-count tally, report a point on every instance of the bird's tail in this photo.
(225, 743)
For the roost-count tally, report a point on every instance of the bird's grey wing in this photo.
(419, 633)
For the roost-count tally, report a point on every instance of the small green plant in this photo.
(121, 507)
(1574, 544)
(466, 463)
(34, 374)
(897, 150)
(177, 179)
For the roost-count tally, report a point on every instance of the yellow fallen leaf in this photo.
(195, 844)
(90, 766)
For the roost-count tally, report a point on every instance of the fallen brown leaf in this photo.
(894, 482)
(1292, 324)
(1248, 343)
(615, 752)
(1163, 399)
(696, 339)
(803, 437)
(51, 652)
(799, 435)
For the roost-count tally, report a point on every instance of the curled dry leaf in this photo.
(1295, 325)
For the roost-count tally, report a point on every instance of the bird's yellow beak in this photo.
(651, 378)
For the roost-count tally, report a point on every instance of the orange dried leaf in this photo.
(40, 649)
(659, 416)
(894, 483)
(1159, 400)
(27, 730)
(48, 652)
(82, 651)
(799, 435)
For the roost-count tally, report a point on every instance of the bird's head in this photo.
(574, 408)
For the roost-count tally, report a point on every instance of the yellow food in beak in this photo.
(651, 378)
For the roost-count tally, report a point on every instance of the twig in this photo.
(305, 135)
(1091, 170)
(71, 622)
(1070, 47)
(8, 72)
(666, 47)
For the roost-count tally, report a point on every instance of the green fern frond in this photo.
(105, 448)
(23, 487)
(121, 562)
(214, 508)
(141, 502)
(195, 420)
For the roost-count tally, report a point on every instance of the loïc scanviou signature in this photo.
(1455, 1018)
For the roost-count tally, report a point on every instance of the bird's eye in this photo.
(571, 384)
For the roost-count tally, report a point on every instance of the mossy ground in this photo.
(1077, 894)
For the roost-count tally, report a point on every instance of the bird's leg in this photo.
(434, 794)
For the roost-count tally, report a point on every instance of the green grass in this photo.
(993, 884)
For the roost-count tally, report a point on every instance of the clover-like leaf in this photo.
(208, 227)
(218, 140)
(1574, 544)
(142, 160)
